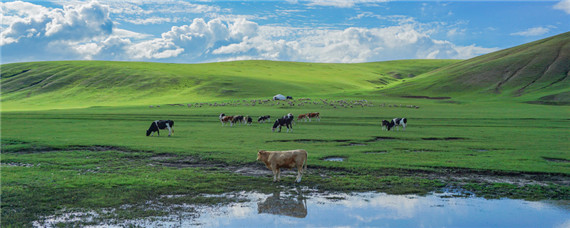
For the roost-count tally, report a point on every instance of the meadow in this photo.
(99, 158)
(73, 132)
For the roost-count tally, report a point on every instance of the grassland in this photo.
(73, 137)
(99, 158)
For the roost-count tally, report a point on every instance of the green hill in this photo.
(533, 72)
(536, 71)
(72, 84)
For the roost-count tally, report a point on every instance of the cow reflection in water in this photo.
(288, 206)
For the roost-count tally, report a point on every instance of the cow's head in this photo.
(261, 154)
(148, 132)
(275, 125)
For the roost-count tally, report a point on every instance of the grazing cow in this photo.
(385, 124)
(262, 119)
(226, 119)
(275, 160)
(284, 121)
(237, 119)
(160, 124)
(303, 117)
(398, 122)
(248, 120)
(314, 115)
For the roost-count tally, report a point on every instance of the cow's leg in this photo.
(299, 173)
(278, 174)
(169, 129)
(274, 174)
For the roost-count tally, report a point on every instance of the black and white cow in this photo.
(238, 119)
(262, 119)
(398, 122)
(385, 124)
(248, 120)
(160, 124)
(284, 121)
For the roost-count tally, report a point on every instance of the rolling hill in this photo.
(71, 84)
(537, 71)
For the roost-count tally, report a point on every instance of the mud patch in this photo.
(376, 152)
(16, 164)
(355, 144)
(557, 160)
(381, 138)
(446, 138)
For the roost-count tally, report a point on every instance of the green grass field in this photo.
(99, 158)
(73, 132)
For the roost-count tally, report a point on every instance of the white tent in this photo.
(279, 97)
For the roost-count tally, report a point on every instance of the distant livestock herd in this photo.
(274, 160)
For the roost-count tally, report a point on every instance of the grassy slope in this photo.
(72, 84)
(533, 71)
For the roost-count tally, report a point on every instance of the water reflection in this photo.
(293, 206)
(289, 208)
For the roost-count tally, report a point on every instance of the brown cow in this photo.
(274, 160)
(226, 119)
(303, 117)
(314, 115)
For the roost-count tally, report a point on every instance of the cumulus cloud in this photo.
(341, 3)
(86, 31)
(39, 30)
(348, 45)
(563, 5)
(536, 31)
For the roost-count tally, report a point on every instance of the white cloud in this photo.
(563, 5)
(86, 31)
(348, 45)
(341, 3)
(70, 23)
(536, 31)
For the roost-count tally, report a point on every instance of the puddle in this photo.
(334, 159)
(307, 208)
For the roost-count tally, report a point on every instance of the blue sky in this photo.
(340, 31)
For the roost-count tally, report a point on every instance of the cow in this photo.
(226, 119)
(289, 98)
(160, 124)
(262, 119)
(385, 124)
(275, 160)
(398, 122)
(303, 117)
(314, 115)
(284, 121)
(248, 120)
(237, 119)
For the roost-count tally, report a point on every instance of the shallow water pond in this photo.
(286, 209)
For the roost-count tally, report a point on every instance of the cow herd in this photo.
(274, 160)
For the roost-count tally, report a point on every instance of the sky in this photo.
(330, 31)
